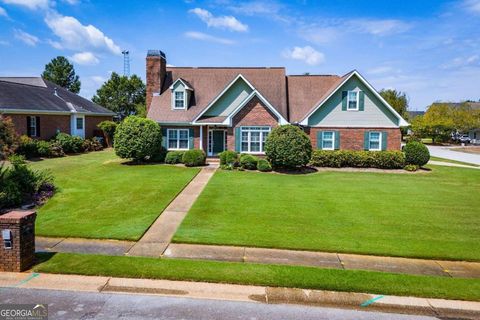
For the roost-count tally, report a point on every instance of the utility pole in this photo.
(126, 63)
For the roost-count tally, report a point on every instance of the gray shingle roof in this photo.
(37, 94)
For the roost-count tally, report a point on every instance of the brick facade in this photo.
(353, 138)
(50, 124)
(22, 254)
(254, 113)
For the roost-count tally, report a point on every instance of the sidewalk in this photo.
(259, 294)
(158, 236)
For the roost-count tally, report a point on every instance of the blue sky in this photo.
(429, 48)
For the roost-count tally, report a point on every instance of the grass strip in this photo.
(261, 274)
(453, 161)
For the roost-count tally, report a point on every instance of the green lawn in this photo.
(429, 215)
(99, 197)
(453, 161)
(262, 274)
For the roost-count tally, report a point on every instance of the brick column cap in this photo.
(17, 216)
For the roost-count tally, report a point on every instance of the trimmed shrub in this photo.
(44, 148)
(288, 147)
(358, 159)
(92, 145)
(249, 162)
(108, 127)
(139, 139)
(174, 157)
(416, 153)
(56, 150)
(411, 167)
(8, 137)
(229, 158)
(69, 144)
(194, 158)
(27, 147)
(264, 166)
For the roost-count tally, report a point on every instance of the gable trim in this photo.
(187, 87)
(401, 122)
(240, 76)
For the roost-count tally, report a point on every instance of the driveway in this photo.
(445, 152)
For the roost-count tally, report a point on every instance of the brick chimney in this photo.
(156, 72)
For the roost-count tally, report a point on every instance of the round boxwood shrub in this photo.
(174, 157)
(249, 162)
(139, 139)
(288, 147)
(229, 158)
(416, 153)
(264, 166)
(194, 158)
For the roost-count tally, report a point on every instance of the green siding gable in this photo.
(230, 99)
(375, 113)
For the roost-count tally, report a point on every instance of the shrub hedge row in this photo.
(358, 159)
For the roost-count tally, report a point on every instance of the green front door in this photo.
(218, 141)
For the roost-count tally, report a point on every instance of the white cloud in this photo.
(76, 36)
(25, 37)
(379, 27)
(460, 62)
(224, 22)
(72, 2)
(29, 4)
(85, 58)
(98, 79)
(206, 37)
(3, 13)
(472, 6)
(320, 35)
(306, 54)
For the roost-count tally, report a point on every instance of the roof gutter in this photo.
(52, 112)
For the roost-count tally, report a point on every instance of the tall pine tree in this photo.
(60, 71)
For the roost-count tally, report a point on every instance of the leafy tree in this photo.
(465, 118)
(437, 123)
(397, 99)
(123, 95)
(108, 127)
(61, 72)
(8, 137)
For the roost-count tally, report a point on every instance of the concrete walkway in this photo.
(457, 269)
(81, 245)
(446, 153)
(158, 236)
(271, 295)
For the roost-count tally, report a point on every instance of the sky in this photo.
(429, 49)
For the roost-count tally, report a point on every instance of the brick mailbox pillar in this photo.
(17, 235)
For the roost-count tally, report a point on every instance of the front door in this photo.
(218, 140)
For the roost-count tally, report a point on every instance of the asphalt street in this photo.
(90, 305)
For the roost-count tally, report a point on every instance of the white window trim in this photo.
(33, 125)
(178, 139)
(174, 100)
(357, 102)
(333, 140)
(379, 141)
(210, 140)
(249, 138)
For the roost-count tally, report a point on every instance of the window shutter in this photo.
(28, 126)
(384, 140)
(191, 138)
(319, 139)
(237, 139)
(366, 140)
(361, 101)
(344, 100)
(164, 138)
(337, 140)
(38, 127)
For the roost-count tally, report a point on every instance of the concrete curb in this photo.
(258, 294)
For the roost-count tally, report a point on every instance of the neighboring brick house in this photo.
(41, 109)
(216, 109)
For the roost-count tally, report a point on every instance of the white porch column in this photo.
(201, 137)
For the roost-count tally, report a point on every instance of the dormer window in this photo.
(179, 100)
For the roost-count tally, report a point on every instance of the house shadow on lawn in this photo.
(298, 171)
(42, 256)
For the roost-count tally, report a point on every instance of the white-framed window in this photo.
(352, 100)
(375, 141)
(253, 139)
(178, 139)
(79, 123)
(179, 101)
(32, 126)
(328, 138)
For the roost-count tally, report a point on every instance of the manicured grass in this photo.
(263, 274)
(428, 214)
(453, 161)
(99, 197)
